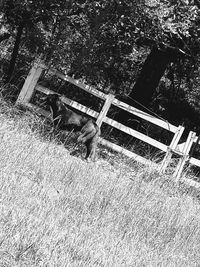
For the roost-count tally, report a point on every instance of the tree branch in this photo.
(161, 46)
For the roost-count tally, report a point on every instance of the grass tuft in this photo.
(58, 210)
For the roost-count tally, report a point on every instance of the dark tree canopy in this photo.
(146, 49)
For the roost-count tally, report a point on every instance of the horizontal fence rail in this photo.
(31, 85)
(107, 120)
(79, 84)
(69, 102)
(161, 123)
(143, 115)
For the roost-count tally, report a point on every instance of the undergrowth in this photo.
(58, 210)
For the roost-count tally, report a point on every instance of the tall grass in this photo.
(57, 210)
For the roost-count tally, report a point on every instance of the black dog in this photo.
(66, 119)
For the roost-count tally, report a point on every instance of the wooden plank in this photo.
(179, 148)
(30, 83)
(196, 143)
(190, 182)
(196, 139)
(127, 153)
(70, 102)
(44, 90)
(171, 149)
(143, 115)
(80, 107)
(136, 134)
(81, 85)
(105, 109)
(189, 142)
(177, 137)
(194, 161)
(185, 157)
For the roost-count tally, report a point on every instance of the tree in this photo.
(120, 46)
(152, 71)
(173, 40)
(172, 24)
(97, 40)
(27, 16)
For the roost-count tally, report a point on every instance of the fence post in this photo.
(103, 112)
(185, 157)
(30, 83)
(170, 149)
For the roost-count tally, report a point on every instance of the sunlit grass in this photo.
(58, 210)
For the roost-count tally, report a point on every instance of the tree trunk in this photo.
(150, 75)
(15, 52)
(148, 80)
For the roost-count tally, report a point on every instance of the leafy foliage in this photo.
(100, 41)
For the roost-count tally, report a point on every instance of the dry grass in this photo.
(57, 210)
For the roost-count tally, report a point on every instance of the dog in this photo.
(66, 119)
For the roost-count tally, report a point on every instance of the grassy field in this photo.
(58, 210)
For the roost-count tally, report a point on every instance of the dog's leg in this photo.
(86, 135)
(88, 145)
(91, 146)
(93, 143)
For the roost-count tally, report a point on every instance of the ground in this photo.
(58, 210)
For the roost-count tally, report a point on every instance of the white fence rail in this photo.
(30, 86)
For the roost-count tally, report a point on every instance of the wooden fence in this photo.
(30, 86)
